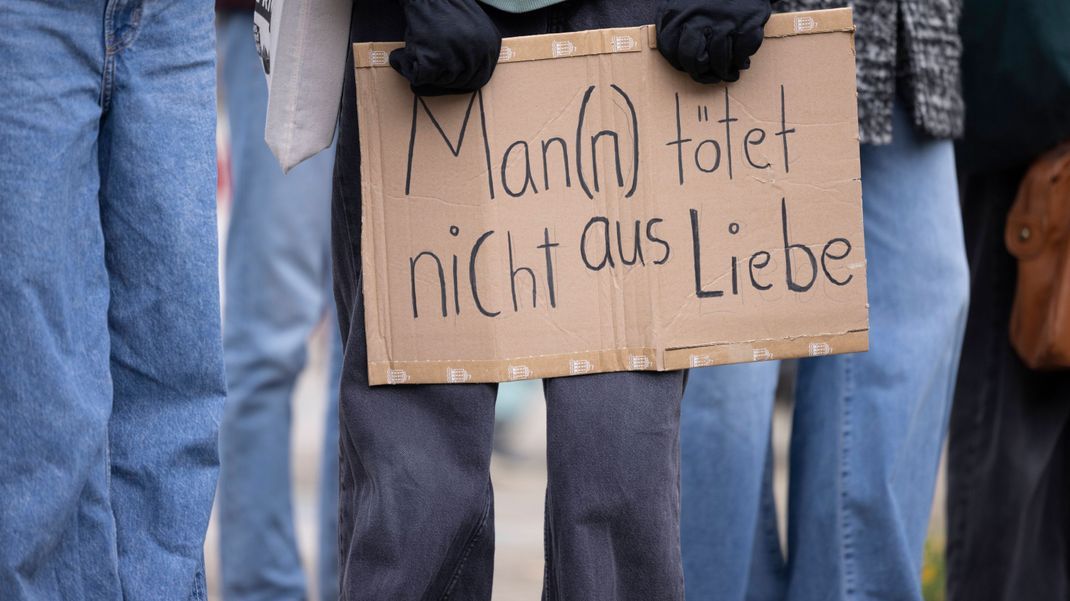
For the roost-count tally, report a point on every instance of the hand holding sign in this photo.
(711, 40)
(451, 46)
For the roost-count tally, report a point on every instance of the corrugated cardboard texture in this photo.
(593, 210)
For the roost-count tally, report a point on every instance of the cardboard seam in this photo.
(632, 349)
(368, 55)
(758, 340)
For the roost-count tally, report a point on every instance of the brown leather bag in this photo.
(1038, 234)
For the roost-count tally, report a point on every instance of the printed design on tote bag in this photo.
(262, 32)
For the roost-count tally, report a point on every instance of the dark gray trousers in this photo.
(416, 503)
(1008, 505)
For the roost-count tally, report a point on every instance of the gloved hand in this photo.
(451, 46)
(711, 40)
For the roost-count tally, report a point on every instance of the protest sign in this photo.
(592, 210)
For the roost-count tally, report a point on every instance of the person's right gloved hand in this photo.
(451, 46)
(711, 40)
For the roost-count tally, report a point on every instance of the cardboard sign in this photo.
(594, 210)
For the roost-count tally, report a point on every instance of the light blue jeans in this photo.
(278, 288)
(867, 428)
(111, 367)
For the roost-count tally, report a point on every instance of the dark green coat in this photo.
(1016, 80)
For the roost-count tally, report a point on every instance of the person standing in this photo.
(416, 503)
(868, 428)
(278, 288)
(1008, 503)
(112, 379)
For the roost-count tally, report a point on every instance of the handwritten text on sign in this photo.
(602, 212)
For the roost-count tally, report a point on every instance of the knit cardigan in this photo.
(912, 44)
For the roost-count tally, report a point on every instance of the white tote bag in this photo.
(302, 45)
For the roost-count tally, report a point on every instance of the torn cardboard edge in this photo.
(626, 359)
(614, 40)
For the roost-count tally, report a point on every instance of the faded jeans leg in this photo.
(613, 493)
(724, 441)
(869, 427)
(55, 382)
(278, 286)
(158, 214)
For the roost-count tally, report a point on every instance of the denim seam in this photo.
(107, 486)
(549, 592)
(113, 46)
(347, 215)
(848, 547)
(768, 504)
(78, 565)
(956, 528)
(108, 76)
(474, 538)
(344, 501)
(677, 536)
(772, 534)
(107, 464)
(198, 591)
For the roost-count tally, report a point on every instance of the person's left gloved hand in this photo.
(711, 40)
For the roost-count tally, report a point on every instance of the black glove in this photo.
(451, 46)
(711, 40)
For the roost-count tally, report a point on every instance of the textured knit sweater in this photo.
(905, 47)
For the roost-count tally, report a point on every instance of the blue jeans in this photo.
(867, 427)
(111, 367)
(278, 287)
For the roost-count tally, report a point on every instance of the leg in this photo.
(415, 499)
(768, 579)
(328, 534)
(416, 504)
(724, 444)
(869, 427)
(1007, 449)
(277, 263)
(55, 385)
(613, 497)
(158, 215)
